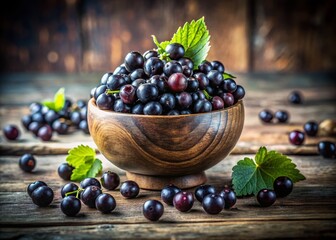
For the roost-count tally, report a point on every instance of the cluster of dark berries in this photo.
(212, 201)
(42, 121)
(40, 193)
(267, 116)
(282, 187)
(145, 84)
(326, 149)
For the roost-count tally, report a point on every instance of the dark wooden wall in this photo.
(91, 36)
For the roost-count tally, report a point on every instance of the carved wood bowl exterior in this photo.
(159, 150)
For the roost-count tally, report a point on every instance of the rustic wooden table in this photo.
(308, 212)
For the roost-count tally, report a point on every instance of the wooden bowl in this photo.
(158, 150)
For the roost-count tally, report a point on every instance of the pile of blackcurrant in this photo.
(42, 122)
(146, 84)
(40, 193)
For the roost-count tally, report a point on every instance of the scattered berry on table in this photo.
(183, 201)
(213, 203)
(327, 149)
(152, 210)
(266, 197)
(110, 180)
(203, 190)
(296, 137)
(64, 171)
(283, 186)
(129, 189)
(168, 193)
(105, 203)
(27, 162)
(70, 206)
(311, 128)
(11, 131)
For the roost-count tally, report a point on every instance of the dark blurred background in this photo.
(93, 36)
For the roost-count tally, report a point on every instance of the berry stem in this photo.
(76, 191)
(207, 95)
(108, 91)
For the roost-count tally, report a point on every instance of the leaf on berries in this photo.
(83, 160)
(228, 75)
(250, 176)
(195, 39)
(58, 103)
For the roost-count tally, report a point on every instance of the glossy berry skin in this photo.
(183, 100)
(229, 85)
(104, 78)
(213, 203)
(177, 82)
(34, 127)
(60, 127)
(296, 137)
(31, 187)
(205, 67)
(295, 97)
(201, 106)
(133, 60)
(152, 108)
(105, 203)
(202, 79)
(311, 128)
(203, 190)
(128, 94)
(64, 171)
(153, 66)
(137, 108)
(282, 186)
(114, 82)
(168, 193)
(110, 180)
(89, 196)
(193, 85)
(266, 116)
(45, 133)
(266, 197)
(83, 125)
(229, 197)
(11, 132)
(217, 65)
(147, 92)
(175, 51)
(228, 99)
(282, 116)
(120, 106)
(327, 149)
(167, 101)
(183, 201)
(217, 103)
(150, 53)
(129, 189)
(89, 182)
(239, 93)
(67, 188)
(70, 206)
(26, 120)
(152, 210)
(27, 162)
(99, 90)
(42, 196)
(171, 68)
(215, 77)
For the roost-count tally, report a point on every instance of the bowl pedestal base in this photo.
(159, 182)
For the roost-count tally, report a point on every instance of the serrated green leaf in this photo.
(250, 176)
(79, 173)
(59, 99)
(96, 167)
(49, 104)
(80, 155)
(194, 37)
(228, 75)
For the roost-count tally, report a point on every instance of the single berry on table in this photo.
(68, 188)
(64, 171)
(229, 197)
(327, 149)
(42, 196)
(152, 210)
(45, 133)
(27, 162)
(295, 97)
(282, 116)
(129, 189)
(168, 193)
(110, 180)
(296, 137)
(283, 186)
(213, 203)
(266, 116)
(11, 132)
(311, 128)
(89, 182)
(105, 203)
(70, 206)
(183, 201)
(266, 197)
(203, 190)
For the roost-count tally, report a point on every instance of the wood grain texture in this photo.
(165, 145)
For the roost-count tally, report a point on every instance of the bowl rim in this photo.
(92, 102)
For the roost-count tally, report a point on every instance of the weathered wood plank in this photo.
(311, 229)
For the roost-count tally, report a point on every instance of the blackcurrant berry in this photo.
(89, 182)
(229, 197)
(70, 206)
(89, 195)
(11, 132)
(110, 180)
(183, 201)
(64, 171)
(327, 149)
(203, 190)
(213, 203)
(311, 128)
(282, 116)
(67, 188)
(283, 186)
(31, 187)
(27, 162)
(296, 137)
(129, 189)
(266, 197)
(105, 203)
(266, 116)
(133, 60)
(168, 193)
(152, 210)
(175, 51)
(42, 196)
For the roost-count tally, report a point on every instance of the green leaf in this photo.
(59, 99)
(250, 176)
(58, 103)
(228, 75)
(195, 39)
(49, 104)
(79, 155)
(83, 159)
(96, 167)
